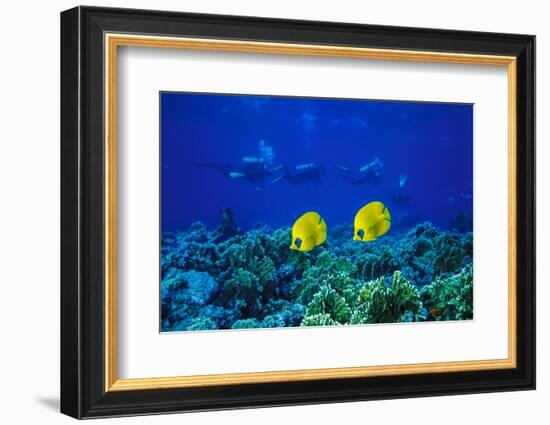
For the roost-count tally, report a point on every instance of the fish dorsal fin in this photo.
(386, 213)
(310, 219)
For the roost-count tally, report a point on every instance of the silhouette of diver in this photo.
(456, 196)
(303, 173)
(254, 169)
(401, 194)
(367, 173)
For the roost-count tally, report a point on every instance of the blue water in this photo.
(429, 143)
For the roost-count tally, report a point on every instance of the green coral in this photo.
(450, 253)
(321, 319)
(274, 321)
(376, 264)
(452, 297)
(278, 246)
(371, 305)
(265, 271)
(291, 313)
(378, 303)
(468, 244)
(421, 253)
(243, 289)
(374, 302)
(403, 298)
(202, 324)
(328, 301)
(328, 271)
(229, 278)
(246, 324)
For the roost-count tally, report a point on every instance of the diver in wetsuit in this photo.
(254, 169)
(304, 173)
(367, 173)
(401, 194)
(456, 196)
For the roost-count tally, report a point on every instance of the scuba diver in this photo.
(367, 173)
(303, 173)
(254, 169)
(401, 194)
(455, 196)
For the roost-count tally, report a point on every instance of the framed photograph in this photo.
(261, 212)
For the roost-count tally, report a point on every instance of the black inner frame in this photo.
(82, 212)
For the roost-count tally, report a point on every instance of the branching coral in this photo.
(275, 321)
(202, 324)
(328, 301)
(245, 324)
(378, 303)
(376, 264)
(321, 319)
(200, 286)
(243, 291)
(329, 271)
(229, 278)
(292, 313)
(191, 255)
(450, 298)
(468, 244)
(265, 270)
(183, 293)
(402, 298)
(449, 253)
(462, 222)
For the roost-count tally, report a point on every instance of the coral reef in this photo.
(227, 278)
(378, 302)
(450, 298)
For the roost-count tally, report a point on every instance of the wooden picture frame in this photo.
(90, 39)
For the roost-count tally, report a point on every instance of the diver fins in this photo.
(225, 169)
(275, 180)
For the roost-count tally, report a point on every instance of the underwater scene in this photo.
(295, 211)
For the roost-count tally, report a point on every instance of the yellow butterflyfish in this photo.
(371, 222)
(309, 231)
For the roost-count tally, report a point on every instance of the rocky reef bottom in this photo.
(225, 278)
